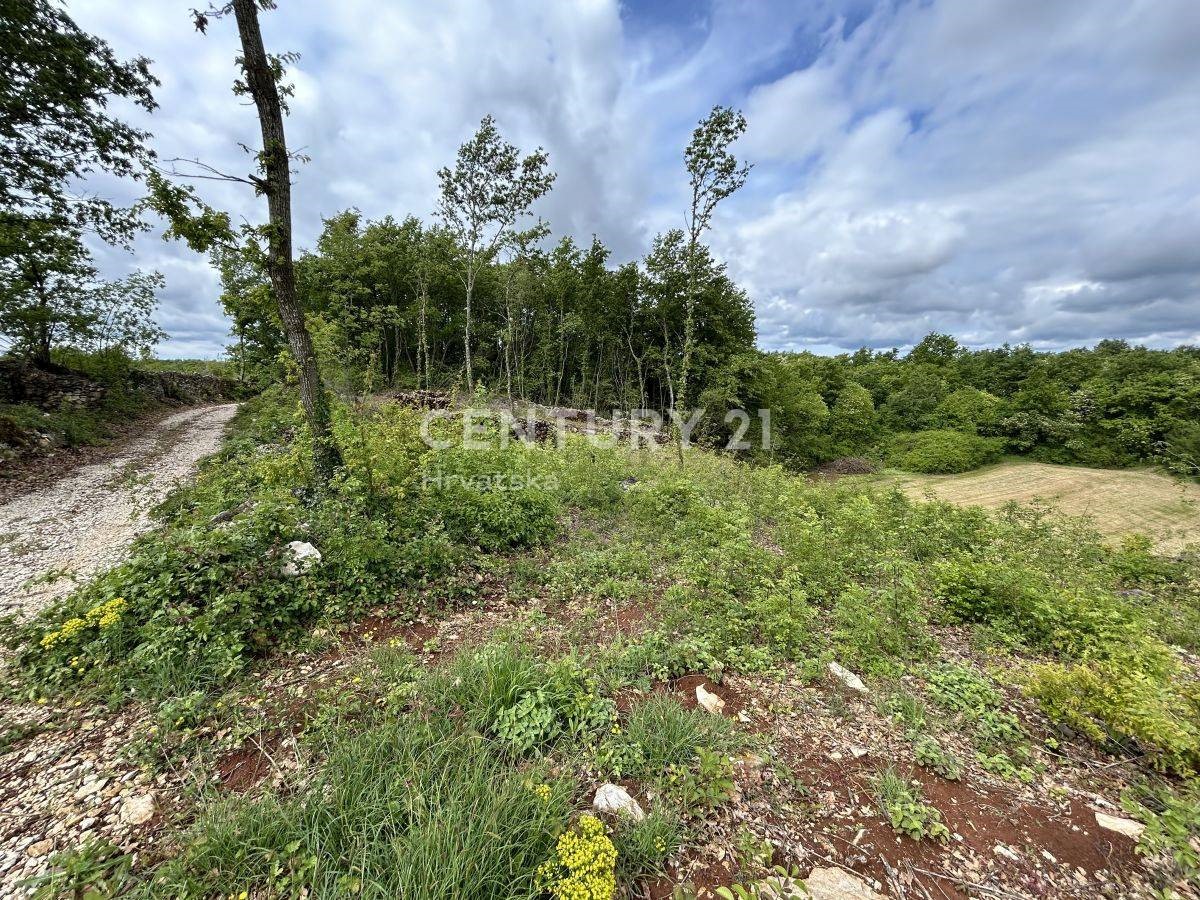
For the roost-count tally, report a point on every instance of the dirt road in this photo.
(60, 535)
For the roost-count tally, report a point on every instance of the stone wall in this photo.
(52, 389)
(47, 389)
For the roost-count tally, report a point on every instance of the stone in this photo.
(848, 678)
(1127, 827)
(837, 884)
(138, 810)
(41, 848)
(612, 798)
(709, 701)
(302, 557)
(89, 787)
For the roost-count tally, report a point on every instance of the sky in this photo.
(1020, 171)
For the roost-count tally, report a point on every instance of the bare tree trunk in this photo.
(278, 187)
(467, 333)
(423, 338)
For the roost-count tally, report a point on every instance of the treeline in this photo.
(1113, 405)
(559, 326)
(562, 326)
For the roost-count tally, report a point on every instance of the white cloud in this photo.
(919, 165)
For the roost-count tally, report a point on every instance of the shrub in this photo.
(1116, 701)
(942, 451)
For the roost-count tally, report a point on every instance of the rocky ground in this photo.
(65, 531)
(75, 774)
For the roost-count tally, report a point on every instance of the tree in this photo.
(714, 174)
(489, 189)
(207, 229)
(852, 419)
(57, 84)
(50, 294)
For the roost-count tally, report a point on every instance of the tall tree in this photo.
(261, 75)
(489, 189)
(714, 173)
(57, 84)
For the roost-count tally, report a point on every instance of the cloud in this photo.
(1005, 170)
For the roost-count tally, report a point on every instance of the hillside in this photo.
(825, 678)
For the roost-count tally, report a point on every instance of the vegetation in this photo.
(585, 578)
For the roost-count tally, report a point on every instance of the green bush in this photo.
(942, 451)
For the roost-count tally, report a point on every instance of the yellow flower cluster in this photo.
(106, 614)
(582, 868)
(101, 615)
(543, 792)
(69, 629)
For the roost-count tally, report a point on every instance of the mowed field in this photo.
(1119, 501)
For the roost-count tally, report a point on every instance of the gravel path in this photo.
(66, 532)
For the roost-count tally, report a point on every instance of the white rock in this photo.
(848, 678)
(837, 884)
(89, 787)
(709, 701)
(1006, 852)
(303, 556)
(612, 798)
(138, 810)
(1127, 827)
(859, 752)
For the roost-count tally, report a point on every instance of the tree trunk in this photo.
(278, 188)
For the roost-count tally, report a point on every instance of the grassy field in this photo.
(1120, 501)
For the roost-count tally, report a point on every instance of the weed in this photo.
(904, 805)
(930, 754)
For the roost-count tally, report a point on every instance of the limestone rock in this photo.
(838, 884)
(709, 701)
(302, 556)
(612, 798)
(848, 678)
(1127, 827)
(138, 810)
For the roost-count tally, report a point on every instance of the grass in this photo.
(407, 807)
(1118, 501)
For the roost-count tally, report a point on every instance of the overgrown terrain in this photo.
(429, 709)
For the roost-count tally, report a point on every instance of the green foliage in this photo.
(57, 125)
(96, 869)
(1119, 701)
(1172, 819)
(405, 807)
(703, 783)
(904, 805)
(942, 451)
(659, 735)
(505, 691)
(933, 756)
(644, 846)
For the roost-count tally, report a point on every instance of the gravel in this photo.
(65, 532)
